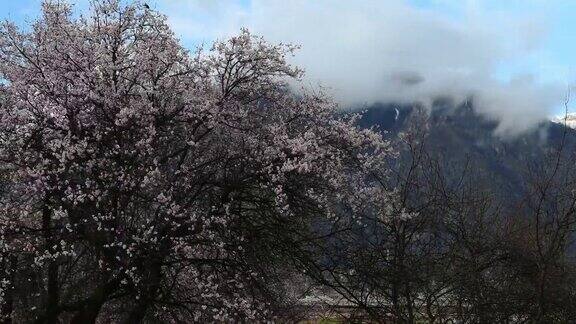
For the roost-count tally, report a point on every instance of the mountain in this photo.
(456, 136)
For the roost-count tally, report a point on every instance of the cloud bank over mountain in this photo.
(367, 51)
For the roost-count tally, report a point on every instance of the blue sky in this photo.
(517, 56)
(556, 57)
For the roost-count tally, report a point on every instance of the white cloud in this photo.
(392, 51)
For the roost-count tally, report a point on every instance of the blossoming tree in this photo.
(143, 182)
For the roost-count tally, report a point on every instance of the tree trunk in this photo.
(8, 266)
(89, 312)
(138, 313)
(52, 289)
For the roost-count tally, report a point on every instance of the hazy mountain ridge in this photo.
(456, 135)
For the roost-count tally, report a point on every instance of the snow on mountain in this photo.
(569, 120)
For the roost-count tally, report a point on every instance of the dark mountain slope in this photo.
(456, 135)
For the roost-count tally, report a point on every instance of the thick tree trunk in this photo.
(89, 312)
(138, 313)
(52, 289)
(8, 266)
